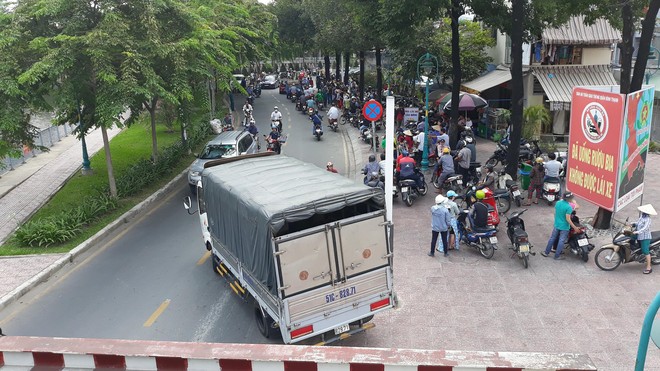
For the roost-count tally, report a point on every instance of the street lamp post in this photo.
(654, 54)
(426, 63)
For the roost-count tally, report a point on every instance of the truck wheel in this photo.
(264, 322)
(362, 321)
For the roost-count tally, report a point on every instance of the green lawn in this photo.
(126, 148)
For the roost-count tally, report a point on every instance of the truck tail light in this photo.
(302, 331)
(380, 304)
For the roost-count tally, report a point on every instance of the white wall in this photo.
(596, 55)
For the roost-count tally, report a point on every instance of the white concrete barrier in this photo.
(17, 352)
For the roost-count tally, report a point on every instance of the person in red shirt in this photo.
(331, 168)
(406, 166)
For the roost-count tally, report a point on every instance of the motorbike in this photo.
(257, 91)
(505, 182)
(318, 132)
(551, 187)
(625, 249)
(332, 123)
(484, 240)
(374, 180)
(274, 145)
(515, 229)
(500, 155)
(578, 242)
(408, 190)
(465, 202)
(227, 127)
(299, 104)
(474, 173)
(453, 181)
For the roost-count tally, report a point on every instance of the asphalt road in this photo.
(153, 279)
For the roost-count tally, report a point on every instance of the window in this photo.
(200, 200)
(215, 151)
(244, 144)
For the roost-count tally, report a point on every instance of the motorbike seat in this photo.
(475, 164)
(407, 183)
(552, 180)
(518, 232)
(483, 229)
(452, 177)
(510, 183)
(499, 192)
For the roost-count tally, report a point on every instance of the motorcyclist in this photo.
(311, 103)
(274, 137)
(252, 129)
(407, 169)
(355, 106)
(316, 120)
(371, 167)
(373, 180)
(247, 111)
(552, 167)
(446, 163)
(479, 214)
(276, 116)
(489, 178)
(331, 167)
(333, 114)
(228, 120)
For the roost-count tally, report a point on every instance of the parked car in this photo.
(227, 144)
(269, 82)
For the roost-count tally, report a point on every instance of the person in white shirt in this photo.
(419, 148)
(468, 123)
(276, 119)
(333, 114)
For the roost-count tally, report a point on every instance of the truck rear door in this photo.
(362, 245)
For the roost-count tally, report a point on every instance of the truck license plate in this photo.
(583, 242)
(341, 329)
(516, 193)
(493, 239)
(404, 189)
(524, 248)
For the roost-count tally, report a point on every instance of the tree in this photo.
(534, 119)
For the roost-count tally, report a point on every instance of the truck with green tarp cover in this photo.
(311, 247)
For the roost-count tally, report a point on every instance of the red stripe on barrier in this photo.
(48, 360)
(300, 366)
(235, 365)
(171, 363)
(435, 368)
(102, 361)
(367, 367)
(2, 359)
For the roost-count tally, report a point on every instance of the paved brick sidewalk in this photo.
(466, 302)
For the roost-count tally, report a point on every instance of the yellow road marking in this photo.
(154, 316)
(204, 258)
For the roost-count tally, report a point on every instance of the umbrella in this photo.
(435, 94)
(468, 102)
(443, 99)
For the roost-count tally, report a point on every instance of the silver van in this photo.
(226, 144)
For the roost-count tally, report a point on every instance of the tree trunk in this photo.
(361, 87)
(455, 12)
(347, 62)
(211, 86)
(603, 217)
(648, 28)
(154, 141)
(338, 66)
(108, 162)
(326, 60)
(379, 75)
(517, 93)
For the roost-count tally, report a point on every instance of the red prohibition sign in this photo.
(372, 110)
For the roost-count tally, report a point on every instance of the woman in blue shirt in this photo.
(643, 232)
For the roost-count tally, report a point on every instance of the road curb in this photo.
(74, 254)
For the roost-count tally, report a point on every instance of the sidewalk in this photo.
(24, 190)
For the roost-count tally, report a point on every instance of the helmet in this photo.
(539, 160)
(329, 164)
(445, 150)
(440, 199)
(404, 153)
(372, 158)
(480, 194)
(275, 108)
(451, 194)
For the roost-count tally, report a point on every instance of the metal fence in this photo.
(47, 137)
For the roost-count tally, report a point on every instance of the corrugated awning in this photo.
(487, 81)
(558, 81)
(576, 32)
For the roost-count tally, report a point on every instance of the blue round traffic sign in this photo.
(372, 110)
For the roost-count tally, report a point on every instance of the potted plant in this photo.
(535, 121)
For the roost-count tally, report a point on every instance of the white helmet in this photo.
(275, 108)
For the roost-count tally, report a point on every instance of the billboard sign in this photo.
(634, 146)
(594, 142)
(411, 114)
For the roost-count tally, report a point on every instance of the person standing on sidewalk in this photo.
(562, 226)
(643, 233)
(535, 182)
(440, 223)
